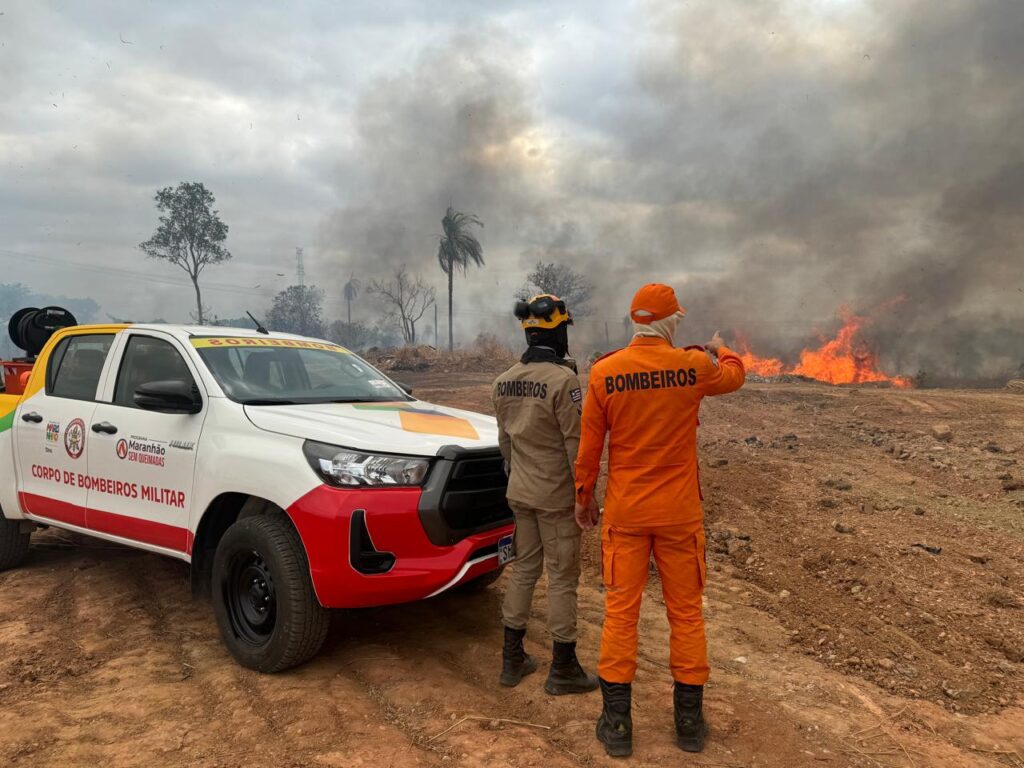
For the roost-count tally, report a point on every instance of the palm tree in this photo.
(457, 250)
(351, 291)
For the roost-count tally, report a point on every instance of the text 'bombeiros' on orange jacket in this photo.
(647, 396)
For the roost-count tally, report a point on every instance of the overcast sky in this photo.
(773, 160)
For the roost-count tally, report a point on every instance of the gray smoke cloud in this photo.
(883, 168)
(458, 129)
(773, 161)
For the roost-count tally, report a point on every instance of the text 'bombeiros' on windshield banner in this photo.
(222, 342)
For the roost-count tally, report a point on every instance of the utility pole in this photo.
(435, 325)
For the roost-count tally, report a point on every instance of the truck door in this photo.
(143, 461)
(51, 430)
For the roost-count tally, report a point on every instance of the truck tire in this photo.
(13, 544)
(263, 598)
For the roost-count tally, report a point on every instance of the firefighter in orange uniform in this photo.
(645, 398)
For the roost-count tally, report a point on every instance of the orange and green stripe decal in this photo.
(425, 421)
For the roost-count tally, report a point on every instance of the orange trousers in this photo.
(626, 555)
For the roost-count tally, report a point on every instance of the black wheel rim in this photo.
(251, 598)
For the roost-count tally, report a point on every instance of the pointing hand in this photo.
(715, 344)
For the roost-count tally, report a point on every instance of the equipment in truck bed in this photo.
(30, 328)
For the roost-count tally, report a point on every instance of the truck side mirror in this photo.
(404, 387)
(173, 396)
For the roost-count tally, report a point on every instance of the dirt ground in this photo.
(864, 608)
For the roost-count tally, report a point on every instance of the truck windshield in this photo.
(269, 371)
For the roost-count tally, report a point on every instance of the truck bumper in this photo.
(369, 547)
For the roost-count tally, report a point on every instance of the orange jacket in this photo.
(647, 396)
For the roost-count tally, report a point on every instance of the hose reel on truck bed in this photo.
(30, 328)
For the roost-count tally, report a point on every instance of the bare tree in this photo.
(190, 234)
(408, 298)
(562, 281)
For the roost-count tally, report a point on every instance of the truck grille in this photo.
(464, 494)
(475, 494)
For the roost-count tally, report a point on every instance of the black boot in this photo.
(566, 675)
(690, 725)
(516, 663)
(615, 726)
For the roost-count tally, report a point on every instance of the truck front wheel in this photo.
(13, 543)
(263, 597)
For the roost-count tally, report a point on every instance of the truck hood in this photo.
(414, 428)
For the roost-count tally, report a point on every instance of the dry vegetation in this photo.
(486, 354)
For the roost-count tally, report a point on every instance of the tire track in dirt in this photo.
(49, 664)
(145, 621)
(408, 718)
(55, 614)
(46, 599)
(179, 633)
(428, 682)
(313, 715)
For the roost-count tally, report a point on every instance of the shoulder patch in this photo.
(576, 395)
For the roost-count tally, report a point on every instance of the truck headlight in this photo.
(347, 468)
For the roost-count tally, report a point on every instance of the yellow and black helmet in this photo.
(542, 311)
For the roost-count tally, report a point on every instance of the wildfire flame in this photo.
(846, 359)
(762, 366)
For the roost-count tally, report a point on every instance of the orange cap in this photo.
(654, 301)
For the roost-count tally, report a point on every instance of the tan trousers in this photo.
(552, 537)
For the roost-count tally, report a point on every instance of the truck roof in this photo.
(184, 332)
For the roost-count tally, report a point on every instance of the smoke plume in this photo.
(773, 161)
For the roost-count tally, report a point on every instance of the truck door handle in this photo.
(105, 427)
(34, 417)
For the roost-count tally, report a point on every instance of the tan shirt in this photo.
(538, 408)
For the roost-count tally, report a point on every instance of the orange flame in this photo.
(846, 359)
(762, 366)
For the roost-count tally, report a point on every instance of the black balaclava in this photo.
(554, 338)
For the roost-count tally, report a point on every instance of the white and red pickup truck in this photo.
(291, 474)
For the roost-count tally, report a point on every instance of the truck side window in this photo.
(76, 364)
(147, 359)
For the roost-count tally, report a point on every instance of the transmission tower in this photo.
(300, 268)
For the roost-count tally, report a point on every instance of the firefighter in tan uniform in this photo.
(538, 403)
